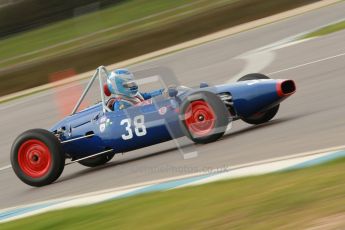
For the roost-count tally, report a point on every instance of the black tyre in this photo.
(37, 157)
(264, 116)
(261, 117)
(97, 160)
(253, 76)
(204, 117)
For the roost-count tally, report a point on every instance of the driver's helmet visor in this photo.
(130, 85)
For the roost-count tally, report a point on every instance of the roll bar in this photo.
(97, 74)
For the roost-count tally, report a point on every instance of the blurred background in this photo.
(40, 39)
(47, 41)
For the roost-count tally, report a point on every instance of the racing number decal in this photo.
(129, 134)
(139, 127)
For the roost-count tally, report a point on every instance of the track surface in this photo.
(313, 118)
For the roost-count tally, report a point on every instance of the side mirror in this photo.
(172, 91)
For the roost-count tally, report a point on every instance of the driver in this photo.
(122, 85)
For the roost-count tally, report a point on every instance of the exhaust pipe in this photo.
(286, 88)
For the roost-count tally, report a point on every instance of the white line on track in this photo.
(5, 167)
(308, 63)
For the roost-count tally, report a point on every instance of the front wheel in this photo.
(204, 117)
(253, 76)
(37, 157)
(261, 117)
(264, 116)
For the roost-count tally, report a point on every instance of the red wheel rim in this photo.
(34, 158)
(199, 118)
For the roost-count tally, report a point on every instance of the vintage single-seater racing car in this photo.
(92, 136)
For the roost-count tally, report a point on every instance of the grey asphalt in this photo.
(313, 118)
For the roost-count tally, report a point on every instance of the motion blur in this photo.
(152, 114)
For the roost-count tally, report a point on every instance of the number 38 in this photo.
(139, 127)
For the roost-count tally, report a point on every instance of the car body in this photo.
(92, 136)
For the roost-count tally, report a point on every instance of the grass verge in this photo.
(94, 28)
(326, 30)
(288, 200)
(117, 44)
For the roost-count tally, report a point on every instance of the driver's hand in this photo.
(170, 88)
(165, 93)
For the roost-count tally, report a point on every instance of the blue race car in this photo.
(92, 136)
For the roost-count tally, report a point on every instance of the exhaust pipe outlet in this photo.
(286, 88)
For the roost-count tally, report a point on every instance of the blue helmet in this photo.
(121, 81)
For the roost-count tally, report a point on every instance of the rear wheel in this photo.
(204, 117)
(37, 157)
(263, 116)
(97, 160)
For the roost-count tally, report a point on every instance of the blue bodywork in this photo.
(161, 118)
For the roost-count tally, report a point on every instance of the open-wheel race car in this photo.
(92, 136)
